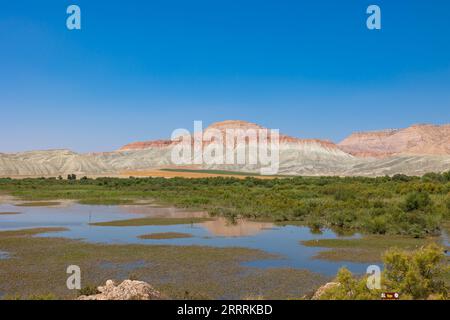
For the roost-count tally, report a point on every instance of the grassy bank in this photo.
(38, 204)
(150, 222)
(365, 250)
(165, 235)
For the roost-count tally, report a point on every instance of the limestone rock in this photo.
(127, 290)
(324, 289)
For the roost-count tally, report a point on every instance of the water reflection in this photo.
(161, 212)
(238, 228)
(283, 241)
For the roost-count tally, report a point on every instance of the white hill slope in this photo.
(297, 157)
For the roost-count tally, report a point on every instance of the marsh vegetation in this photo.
(406, 213)
(398, 205)
(165, 235)
(38, 266)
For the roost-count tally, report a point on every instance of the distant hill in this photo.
(421, 139)
(414, 151)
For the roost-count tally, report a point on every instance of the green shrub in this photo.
(414, 275)
(344, 195)
(401, 177)
(417, 201)
(446, 176)
(350, 203)
(378, 225)
(88, 291)
(48, 296)
(349, 288)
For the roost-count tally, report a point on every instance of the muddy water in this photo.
(284, 241)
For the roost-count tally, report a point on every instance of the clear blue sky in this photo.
(139, 69)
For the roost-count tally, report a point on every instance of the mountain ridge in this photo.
(417, 139)
(415, 150)
(223, 126)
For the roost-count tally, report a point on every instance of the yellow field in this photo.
(184, 174)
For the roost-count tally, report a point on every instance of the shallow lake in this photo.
(284, 241)
(4, 255)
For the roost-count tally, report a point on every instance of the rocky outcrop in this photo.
(422, 139)
(319, 293)
(127, 290)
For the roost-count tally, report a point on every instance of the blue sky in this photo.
(139, 69)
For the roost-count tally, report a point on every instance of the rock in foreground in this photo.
(324, 289)
(127, 290)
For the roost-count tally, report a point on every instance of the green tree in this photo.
(446, 175)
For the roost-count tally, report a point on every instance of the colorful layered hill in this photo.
(223, 126)
(415, 150)
(420, 139)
